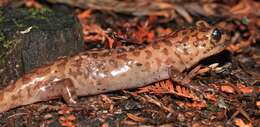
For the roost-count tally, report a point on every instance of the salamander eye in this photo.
(216, 34)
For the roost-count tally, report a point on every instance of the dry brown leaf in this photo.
(129, 123)
(244, 7)
(66, 118)
(196, 124)
(4, 2)
(99, 36)
(209, 8)
(67, 124)
(211, 96)
(106, 99)
(258, 104)
(238, 47)
(194, 105)
(241, 123)
(71, 118)
(135, 118)
(152, 19)
(159, 87)
(244, 89)
(158, 103)
(85, 14)
(227, 88)
(143, 33)
(163, 31)
(105, 125)
(33, 3)
(184, 13)
(168, 87)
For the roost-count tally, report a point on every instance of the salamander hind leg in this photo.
(63, 88)
(69, 92)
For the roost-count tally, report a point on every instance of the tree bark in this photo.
(32, 38)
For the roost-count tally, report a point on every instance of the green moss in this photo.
(245, 20)
(7, 47)
(2, 36)
(18, 23)
(8, 44)
(212, 107)
(39, 13)
(2, 60)
(35, 27)
(2, 18)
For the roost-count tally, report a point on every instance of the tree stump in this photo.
(30, 38)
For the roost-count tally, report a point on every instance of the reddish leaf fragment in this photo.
(94, 33)
(105, 125)
(244, 7)
(85, 14)
(143, 33)
(227, 88)
(244, 89)
(163, 31)
(258, 104)
(241, 123)
(135, 118)
(211, 97)
(168, 87)
(194, 105)
(33, 3)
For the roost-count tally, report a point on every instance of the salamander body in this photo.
(94, 72)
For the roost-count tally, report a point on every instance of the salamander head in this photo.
(200, 42)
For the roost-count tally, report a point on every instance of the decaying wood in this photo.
(31, 38)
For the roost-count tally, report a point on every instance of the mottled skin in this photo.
(94, 72)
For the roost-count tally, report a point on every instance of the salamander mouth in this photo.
(220, 47)
(217, 50)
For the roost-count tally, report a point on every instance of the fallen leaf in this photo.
(244, 7)
(244, 89)
(71, 118)
(211, 96)
(258, 104)
(194, 105)
(85, 14)
(135, 118)
(144, 33)
(196, 124)
(240, 123)
(33, 3)
(163, 31)
(105, 125)
(184, 13)
(227, 88)
(168, 87)
(94, 33)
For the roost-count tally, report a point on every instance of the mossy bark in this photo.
(30, 38)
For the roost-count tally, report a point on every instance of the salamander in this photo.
(99, 71)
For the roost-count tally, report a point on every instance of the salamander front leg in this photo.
(184, 78)
(179, 77)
